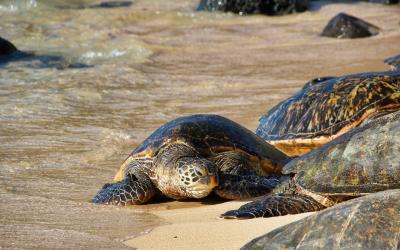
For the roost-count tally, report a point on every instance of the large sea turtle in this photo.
(327, 108)
(192, 156)
(363, 161)
(369, 222)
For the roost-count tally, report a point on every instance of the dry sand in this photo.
(201, 228)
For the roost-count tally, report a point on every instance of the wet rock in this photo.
(244, 7)
(394, 62)
(384, 1)
(40, 61)
(112, 4)
(6, 47)
(346, 26)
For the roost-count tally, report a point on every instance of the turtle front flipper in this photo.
(275, 205)
(236, 187)
(241, 176)
(133, 189)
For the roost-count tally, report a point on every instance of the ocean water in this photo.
(95, 82)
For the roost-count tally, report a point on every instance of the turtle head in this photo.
(197, 177)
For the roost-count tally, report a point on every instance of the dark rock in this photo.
(112, 4)
(9, 53)
(40, 61)
(384, 1)
(6, 47)
(212, 5)
(346, 26)
(244, 7)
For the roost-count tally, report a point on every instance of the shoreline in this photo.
(201, 228)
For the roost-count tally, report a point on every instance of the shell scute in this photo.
(210, 134)
(365, 160)
(330, 108)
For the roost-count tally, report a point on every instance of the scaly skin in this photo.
(136, 188)
(275, 205)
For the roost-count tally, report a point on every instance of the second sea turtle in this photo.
(328, 107)
(363, 161)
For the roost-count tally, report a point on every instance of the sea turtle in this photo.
(327, 108)
(190, 157)
(346, 26)
(369, 222)
(363, 161)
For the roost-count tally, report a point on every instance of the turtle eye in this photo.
(201, 172)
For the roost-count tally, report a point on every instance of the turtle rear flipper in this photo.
(275, 205)
(130, 190)
(236, 187)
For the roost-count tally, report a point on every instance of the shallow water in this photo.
(102, 79)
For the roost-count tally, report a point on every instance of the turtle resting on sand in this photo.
(363, 161)
(192, 156)
(370, 222)
(327, 108)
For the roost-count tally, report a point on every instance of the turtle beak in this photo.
(209, 180)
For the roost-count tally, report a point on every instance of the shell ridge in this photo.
(331, 127)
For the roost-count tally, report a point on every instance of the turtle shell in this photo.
(370, 222)
(210, 134)
(363, 161)
(324, 110)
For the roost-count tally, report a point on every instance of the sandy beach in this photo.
(100, 81)
(201, 228)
